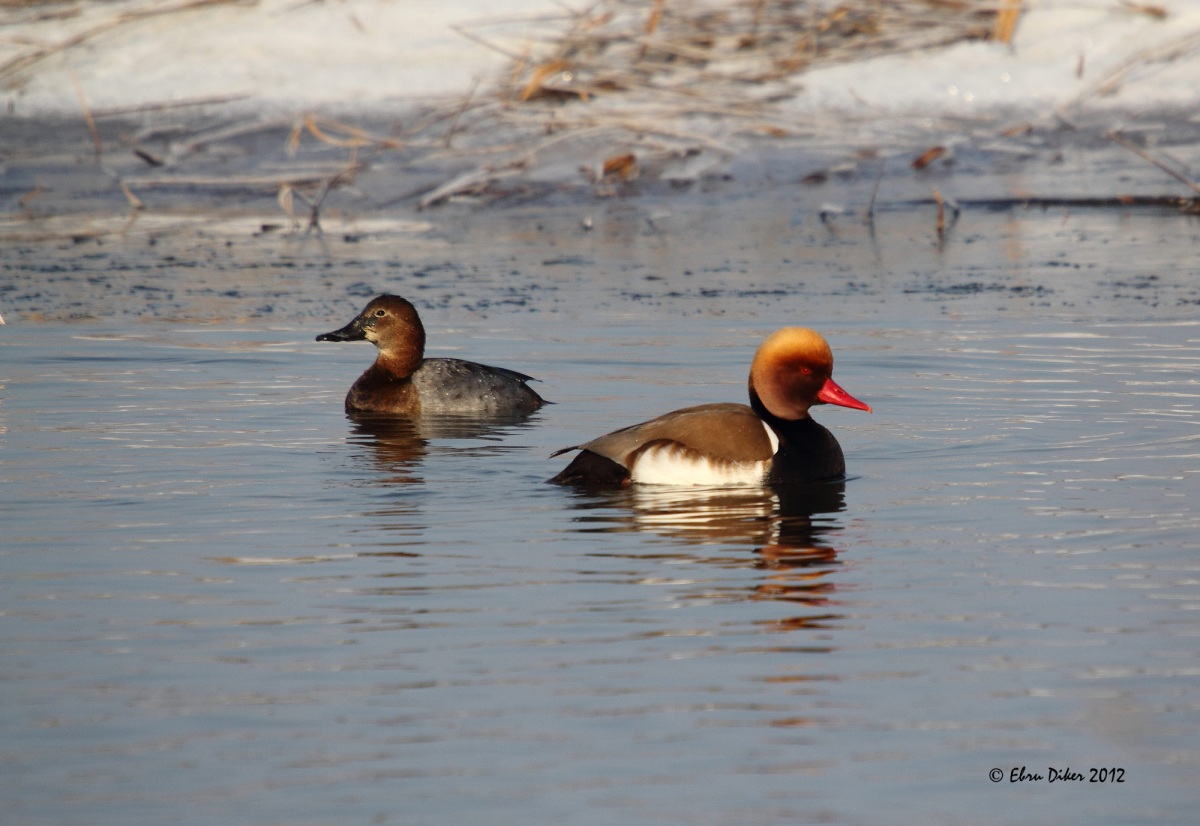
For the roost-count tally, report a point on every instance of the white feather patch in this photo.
(674, 464)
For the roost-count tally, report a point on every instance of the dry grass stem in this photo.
(928, 156)
(225, 133)
(134, 201)
(97, 144)
(940, 224)
(144, 108)
(469, 183)
(1110, 82)
(324, 129)
(314, 204)
(1155, 11)
(29, 197)
(1146, 156)
(487, 44)
(264, 183)
(1006, 21)
(287, 204)
(458, 113)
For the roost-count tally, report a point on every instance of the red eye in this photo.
(805, 370)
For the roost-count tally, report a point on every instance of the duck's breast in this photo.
(378, 391)
(809, 453)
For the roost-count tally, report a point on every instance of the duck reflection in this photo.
(388, 454)
(394, 445)
(788, 529)
(398, 445)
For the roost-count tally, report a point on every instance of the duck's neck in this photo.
(781, 426)
(807, 451)
(401, 361)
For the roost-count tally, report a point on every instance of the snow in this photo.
(1060, 54)
(279, 53)
(377, 55)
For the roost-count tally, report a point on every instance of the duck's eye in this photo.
(806, 371)
(380, 313)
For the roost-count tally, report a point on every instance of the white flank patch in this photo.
(675, 465)
(670, 466)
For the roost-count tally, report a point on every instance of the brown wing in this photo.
(727, 431)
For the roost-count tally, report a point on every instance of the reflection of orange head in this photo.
(780, 555)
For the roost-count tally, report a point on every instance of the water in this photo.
(222, 601)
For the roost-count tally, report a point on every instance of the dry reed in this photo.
(619, 88)
(641, 73)
(716, 47)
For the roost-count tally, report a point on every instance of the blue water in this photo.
(223, 602)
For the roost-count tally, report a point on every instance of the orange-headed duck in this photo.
(403, 382)
(771, 441)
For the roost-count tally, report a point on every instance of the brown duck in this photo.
(773, 440)
(403, 382)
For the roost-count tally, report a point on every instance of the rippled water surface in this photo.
(223, 602)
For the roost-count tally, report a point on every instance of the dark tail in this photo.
(592, 470)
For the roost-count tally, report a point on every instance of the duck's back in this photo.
(449, 386)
